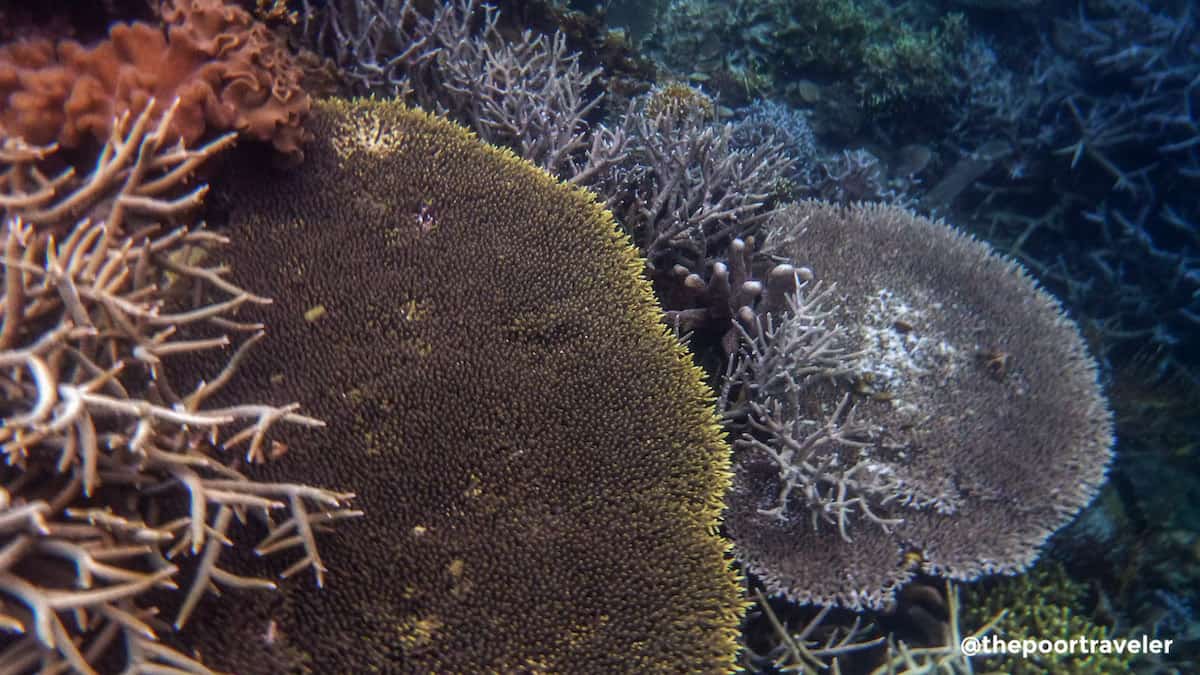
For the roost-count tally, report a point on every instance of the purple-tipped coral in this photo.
(729, 300)
(929, 409)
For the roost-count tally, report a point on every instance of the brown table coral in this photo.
(540, 463)
(227, 69)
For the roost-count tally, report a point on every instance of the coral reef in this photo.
(897, 414)
(677, 100)
(541, 465)
(687, 194)
(675, 177)
(120, 484)
(855, 176)
(766, 122)
(893, 67)
(226, 69)
(1092, 106)
(1097, 100)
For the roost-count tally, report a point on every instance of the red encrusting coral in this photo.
(228, 70)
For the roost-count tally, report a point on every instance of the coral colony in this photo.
(900, 402)
(396, 336)
(495, 465)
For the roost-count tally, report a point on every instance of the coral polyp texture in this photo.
(227, 70)
(121, 480)
(922, 406)
(541, 466)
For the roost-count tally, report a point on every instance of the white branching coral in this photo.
(116, 469)
(529, 93)
(685, 189)
(824, 460)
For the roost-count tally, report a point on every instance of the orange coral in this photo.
(226, 68)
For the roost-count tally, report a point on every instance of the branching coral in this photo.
(225, 68)
(826, 463)
(1105, 152)
(684, 190)
(529, 93)
(813, 648)
(766, 122)
(858, 647)
(116, 478)
(914, 403)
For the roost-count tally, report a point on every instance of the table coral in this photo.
(541, 465)
(924, 406)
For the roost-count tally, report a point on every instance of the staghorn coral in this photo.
(226, 69)
(930, 410)
(118, 488)
(684, 189)
(542, 466)
(527, 93)
(1098, 105)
